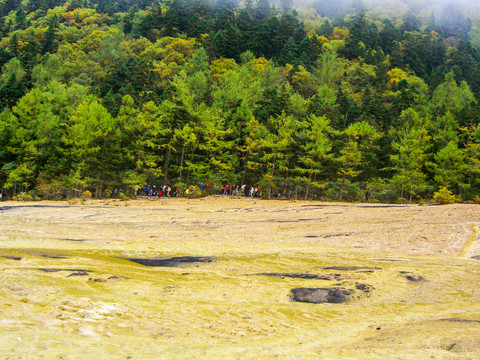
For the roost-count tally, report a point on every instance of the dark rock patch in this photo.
(460, 320)
(351, 268)
(303, 276)
(45, 255)
(75, 240)
(391, 260)
(80, 273)
(171, 262)
(295, 221)
(47, 270)
(415, 278)
(36, 206)
(451, 347)
(323, 206)
(320, 295)
(53, 256)
(114, 277)
(17, 258)
(366, 288)
(92, 215)
(476, 257)
(337, 235)
(48, 256)
(381, 206)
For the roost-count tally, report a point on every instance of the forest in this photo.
(359, 102)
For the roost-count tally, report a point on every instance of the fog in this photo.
(332, 8)
(390, 8)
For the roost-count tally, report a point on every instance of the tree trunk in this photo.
(102, 171)
(181, 163)
(341, 189)
(273, 172)
(165, 165)
(244, 170)
(308, 183)
(287, 184)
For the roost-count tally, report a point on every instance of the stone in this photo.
(171, 262)
(320, 295)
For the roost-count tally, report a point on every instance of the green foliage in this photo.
(449, 166)
(25, 197)
(86, 195)
(410, 148)
(103, 95)
(444, 196)
(193, 192)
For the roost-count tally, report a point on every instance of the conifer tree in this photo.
(278, 140)
(316, 147)
(93, 139)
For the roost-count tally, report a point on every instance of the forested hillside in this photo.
(359, 102)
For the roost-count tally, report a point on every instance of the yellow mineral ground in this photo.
(69, 291)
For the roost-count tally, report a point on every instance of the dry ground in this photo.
(66, 292)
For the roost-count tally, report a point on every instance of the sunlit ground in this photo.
(67, 291)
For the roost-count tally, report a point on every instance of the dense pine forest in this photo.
(357, 102)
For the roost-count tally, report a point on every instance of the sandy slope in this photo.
(67, 292)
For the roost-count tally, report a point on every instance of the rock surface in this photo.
(303, 276)
(321, 295)
(171, 262)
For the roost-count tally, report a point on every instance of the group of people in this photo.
(241, 190)
(162, 191)
(235, 190)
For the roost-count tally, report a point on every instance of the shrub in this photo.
(379, 191)
(23, 196)
(49, 188)
(193, 192)
(444, 196)
(86, 195)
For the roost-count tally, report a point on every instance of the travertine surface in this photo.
(68, 293)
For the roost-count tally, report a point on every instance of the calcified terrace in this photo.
(78, 281)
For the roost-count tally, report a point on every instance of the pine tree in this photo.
(93, 138)
(262, 9)
(449, 168)
(288, 55)
(227, 43)
(20, 17)
(349, 161)
(316, 148)
(409, 158)
(49, 45)
(276, 144)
